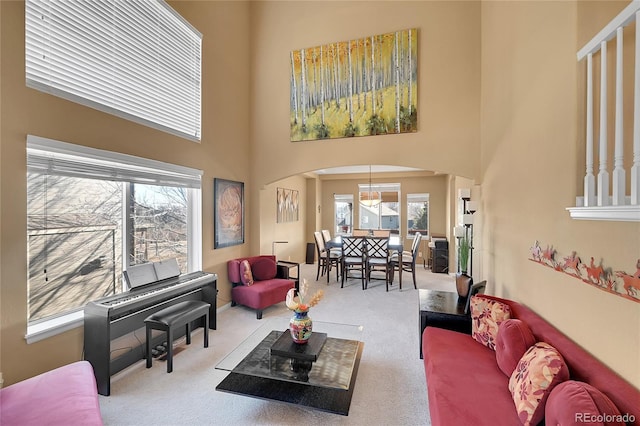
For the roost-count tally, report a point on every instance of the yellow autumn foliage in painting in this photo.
(355, 88)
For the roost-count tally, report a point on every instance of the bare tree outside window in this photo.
(75, 235)
(74, 229)
(418, 214)
(159, 224)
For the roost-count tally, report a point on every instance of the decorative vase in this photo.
(300, 326)
(463, 285)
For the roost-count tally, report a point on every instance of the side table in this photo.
(285, 268)
(442, 309)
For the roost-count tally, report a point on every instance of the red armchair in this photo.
(259, 287)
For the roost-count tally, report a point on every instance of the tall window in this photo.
(383, 215)
(418, 214)
(93, 213)
(343, 208)
(139, 60)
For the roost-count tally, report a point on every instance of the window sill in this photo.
(48, 328)
(611, 213)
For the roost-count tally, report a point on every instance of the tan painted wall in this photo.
(292, 232)
(448, 92)
(225, 143)
(532, 170)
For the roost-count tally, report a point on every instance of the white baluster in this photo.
(635, 169)
(619, 176)
(589, 178)
(603, 174)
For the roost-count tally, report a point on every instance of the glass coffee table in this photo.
(320, 376)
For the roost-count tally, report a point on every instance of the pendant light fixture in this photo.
(373, 198)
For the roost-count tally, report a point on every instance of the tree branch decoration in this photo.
(619, 283)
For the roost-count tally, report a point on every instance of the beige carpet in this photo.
(390, 388)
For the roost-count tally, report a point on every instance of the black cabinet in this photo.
(440, 256)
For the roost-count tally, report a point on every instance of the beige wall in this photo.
(448, 88)
(292, 232)
(532, 170)
(225, 143)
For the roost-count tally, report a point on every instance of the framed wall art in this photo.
(288, 205)
(228, 213)
(360, 87)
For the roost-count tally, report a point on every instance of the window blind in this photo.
(61, 158)
(137, 59)
(379, 187)
(417, 198)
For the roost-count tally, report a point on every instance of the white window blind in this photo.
(417, 198)
(61, 158)
(379, 187)
(137, 59)
(347, 198)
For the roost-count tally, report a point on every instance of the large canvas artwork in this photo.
(355, 88)
(228, 212)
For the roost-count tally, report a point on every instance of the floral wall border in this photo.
(619, 283)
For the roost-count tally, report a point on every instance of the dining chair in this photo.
(382, 233)
(326, 259)
(360, 232)
(378, 258)
(326, 236)
(477, 288)
(406, 261)
(354, 257)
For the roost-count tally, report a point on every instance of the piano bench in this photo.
(180, 314)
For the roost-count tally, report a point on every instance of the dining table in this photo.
(395, 244)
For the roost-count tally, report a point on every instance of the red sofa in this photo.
(268, 287)
(65, 396)
(466, 386)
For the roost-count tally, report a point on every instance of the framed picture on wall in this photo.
(228, 213)
(287, 204)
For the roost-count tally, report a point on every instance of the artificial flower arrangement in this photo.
(300, 303)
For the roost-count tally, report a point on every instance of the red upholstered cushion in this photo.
(264, 269)
(245, 273)
(578, 403)
(464, 384)
(538, 372)
(513, 339)
(486, 316)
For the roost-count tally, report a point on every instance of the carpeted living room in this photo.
(518, 142)
(390, 380)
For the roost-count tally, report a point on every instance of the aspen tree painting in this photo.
(355, 88)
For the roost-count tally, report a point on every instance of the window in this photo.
(417, 214)
(343, 208)
(139, 60)
(384, 215)
(93, 213)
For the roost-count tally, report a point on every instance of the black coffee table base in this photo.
(331, 400)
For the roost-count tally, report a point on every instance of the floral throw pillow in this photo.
(539, 370)
(245, 273)
(486, 316)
